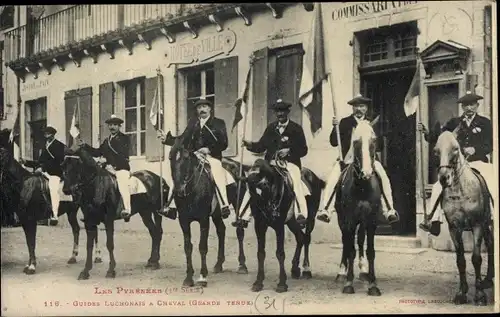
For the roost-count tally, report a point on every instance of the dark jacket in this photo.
(50, 159)
(469, 136)
(213, 136)
(115, 151)
(346, 127)
(272, 141)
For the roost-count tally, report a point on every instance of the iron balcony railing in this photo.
(80, 22)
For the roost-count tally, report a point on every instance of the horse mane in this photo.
(448, 137)
(362, 129)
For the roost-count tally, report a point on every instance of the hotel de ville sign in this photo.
(201, 49)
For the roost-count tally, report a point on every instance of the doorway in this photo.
(396, 136)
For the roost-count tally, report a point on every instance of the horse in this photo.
(271, 198)
(194, 194)
(100, 199)
(27, 195)
(465, 203)
(358, 204)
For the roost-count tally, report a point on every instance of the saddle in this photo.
(281, 170)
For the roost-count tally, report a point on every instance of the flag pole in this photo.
(159, 98)
(422, 186)
(334, 105)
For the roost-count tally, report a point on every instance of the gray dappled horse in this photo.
(466, 205)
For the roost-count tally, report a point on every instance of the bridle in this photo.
(462, 160)
(188, 180)
(357, 164)
(79, 185)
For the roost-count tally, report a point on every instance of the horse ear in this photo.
(375, 121)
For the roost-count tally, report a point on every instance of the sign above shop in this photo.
(202, 49)
(363, 8)
(35, 85)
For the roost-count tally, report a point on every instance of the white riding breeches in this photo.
(386, 185)
(123, 179)
(486, 171)
(332, 180)
(219, 175)
(296, 177)
(54, 187)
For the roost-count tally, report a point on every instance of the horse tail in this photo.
(35, 191)
(152, 183)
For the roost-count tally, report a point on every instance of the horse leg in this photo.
(158, 237)
(91, 230)
(342, 274)
(373, 290)
(363, 265)
(280, 255)
(306, 265)
(203, 248)
(75, 228)
(490, 273)
(97, 255)
(188, 250)
(299, 238)
(260, 232)
(242, 267)
(351, 255)
(480, 296)
(147, 219)
(29, 227)
(110, 244)
(220, 227)
(456, 237)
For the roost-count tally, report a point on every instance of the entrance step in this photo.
(395, 244)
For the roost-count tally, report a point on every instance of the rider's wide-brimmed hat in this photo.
(281, 105)
(114, 120)
(359, 100)
(200, 102)
(469, 98)
(50, 130)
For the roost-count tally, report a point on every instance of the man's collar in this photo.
(359, 119)
(283, 124)
(469, 119)
(48, 143)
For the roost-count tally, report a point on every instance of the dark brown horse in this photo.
(271, 199)
(358, 205)
(98, 196)
(466, 205)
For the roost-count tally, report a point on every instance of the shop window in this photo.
(135, 116)
(6, 17)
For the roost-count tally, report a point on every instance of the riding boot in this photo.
(434, 227)
(169, 210)
(387, 201)
(328, 199)
(245, 213)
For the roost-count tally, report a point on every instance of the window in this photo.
(1, 82)
(6, 17)
(200, 85)
(135, 116)
(37, 114)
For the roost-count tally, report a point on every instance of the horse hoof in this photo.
(83, 276)
(188, 282)
(202, 283)
(25, 270)
(97, 260)
(282, 288)
(155, 265)
(242, 269)
(257, 287)
(72, 260)
(218, 269)
(30, 271)
(348, 290)
(53, 222)
(486, 284)
(374, 291)
(110, 274)
(307, 275)
(363, 276)
(296, 273)
(460, 299)
(480, 299)
(340, 278)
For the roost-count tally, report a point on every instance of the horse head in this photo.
(364, 148)
(450, 157)
(182, 164)
(260, 175)
(78, 165)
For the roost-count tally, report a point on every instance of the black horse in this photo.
(194, 194)
(27, 195)
(358, 205)
(100, 200)
(271, 199)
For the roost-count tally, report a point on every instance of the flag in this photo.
(156, 113)
(244, 99)
(314, 72)
(412, 96)
(14, 133)
(74, 129)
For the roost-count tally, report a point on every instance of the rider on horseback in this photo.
(475, 137)
(346, 127)
(207, 136)
(284, 139)
(115, 149)
(49, 162)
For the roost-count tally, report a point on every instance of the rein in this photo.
(459, 172)
(87, 181)
(200, 167)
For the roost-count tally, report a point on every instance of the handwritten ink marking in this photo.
(269, 303)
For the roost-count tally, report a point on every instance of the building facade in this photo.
(105, 59)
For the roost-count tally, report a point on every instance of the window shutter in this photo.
(106, 107)
(154, 149)
(226, 93)
(85, 120)
(260, 86)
